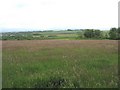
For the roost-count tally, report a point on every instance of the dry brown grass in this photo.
(37, 44)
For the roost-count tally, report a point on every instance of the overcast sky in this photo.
(58, 14)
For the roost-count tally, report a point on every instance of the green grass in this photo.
(69, 66)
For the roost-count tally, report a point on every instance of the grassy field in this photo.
(60, 63)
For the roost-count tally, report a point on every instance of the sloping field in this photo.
(60, 63)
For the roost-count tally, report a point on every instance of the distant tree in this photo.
(113, 33)
(119, 33)
(89, 33)
(106, 36)
(97, 34)
(69, 30)
(81, 34)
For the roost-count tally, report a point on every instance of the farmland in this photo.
(39, 35)
(60, 34)
(60, 63)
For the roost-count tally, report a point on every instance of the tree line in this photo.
(113, 33)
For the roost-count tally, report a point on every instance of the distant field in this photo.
(40, 35)
(60, 63)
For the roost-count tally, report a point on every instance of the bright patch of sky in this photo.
(59, 14)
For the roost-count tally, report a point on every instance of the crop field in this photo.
(60, 63)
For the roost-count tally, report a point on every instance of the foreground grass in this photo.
(60, 63)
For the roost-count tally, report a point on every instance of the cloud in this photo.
(45, 14)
